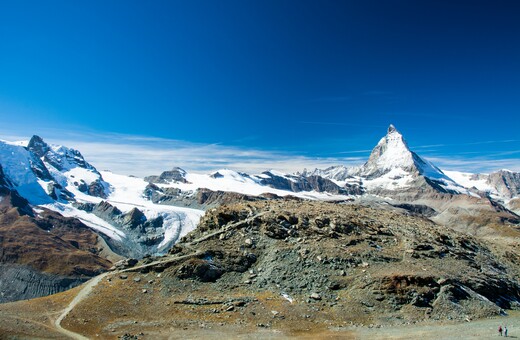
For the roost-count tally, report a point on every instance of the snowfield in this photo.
(232, 181)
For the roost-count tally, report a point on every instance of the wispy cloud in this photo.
(144, 155)
(477, 164)
(470, 143)
(142, 160)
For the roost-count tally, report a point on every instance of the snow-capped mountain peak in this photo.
(69, 169)
(60, 157)
(392, 154)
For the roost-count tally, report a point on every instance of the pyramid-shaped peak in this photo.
(392, 154)
(38, 146)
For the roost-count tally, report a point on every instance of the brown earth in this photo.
(43, 253)
(67, 247)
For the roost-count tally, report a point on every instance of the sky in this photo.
(142, 86)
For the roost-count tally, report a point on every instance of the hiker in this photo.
(500, 330)
(505, 330)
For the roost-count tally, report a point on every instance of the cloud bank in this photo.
(142, 156)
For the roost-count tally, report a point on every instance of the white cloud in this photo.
(142, 156)
(477, 164)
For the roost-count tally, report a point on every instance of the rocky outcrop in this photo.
(208, 198)
(98, 189)
(64, 159)
(58, 192)
(506, 183)
(38, 146)
(417, 209)
(174, 175)
(300, 183)
(353, 262)
(61, 158)
(143, 235)
(200, 199)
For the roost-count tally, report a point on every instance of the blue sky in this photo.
(252, 84)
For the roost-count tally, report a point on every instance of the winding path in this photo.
(83, 293)
(89, 285)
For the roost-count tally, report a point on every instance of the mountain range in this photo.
(54, 205)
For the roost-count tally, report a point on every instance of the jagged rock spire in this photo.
(38, 146)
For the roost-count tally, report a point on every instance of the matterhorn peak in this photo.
(392, 154)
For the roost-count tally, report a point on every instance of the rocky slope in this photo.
(378, 262)
(43, 253)
(295, 266)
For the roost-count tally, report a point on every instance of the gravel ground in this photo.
(479, 329)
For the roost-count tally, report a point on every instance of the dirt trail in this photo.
(77, 299)
(225, 229)
(85, 291)
(155, 263)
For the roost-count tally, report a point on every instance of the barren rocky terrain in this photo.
(279, 269)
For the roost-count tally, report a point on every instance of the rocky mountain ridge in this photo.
(393, 174)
